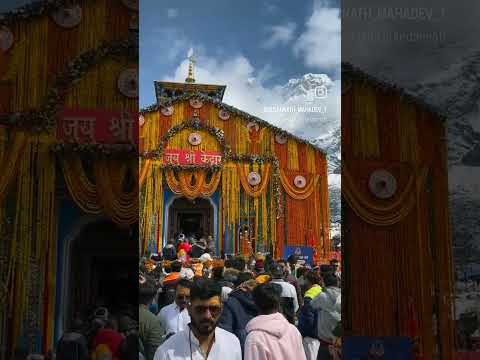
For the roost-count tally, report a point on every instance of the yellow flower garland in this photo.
(106, 194)
(183, 186)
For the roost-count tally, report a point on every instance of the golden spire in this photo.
(191, 58)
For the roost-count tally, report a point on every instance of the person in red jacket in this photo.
(108, 338)
(186, 247)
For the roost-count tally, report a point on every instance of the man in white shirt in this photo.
(288, 290)
(202, 339)
(174, 317)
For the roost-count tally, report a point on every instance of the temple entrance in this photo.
(191, 217)
(103, 264)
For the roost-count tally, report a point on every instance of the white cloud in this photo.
(320, 44)
(247, 91)
(279, 35)
(172, 13)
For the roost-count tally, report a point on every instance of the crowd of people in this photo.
(254, 308)
(195, 305)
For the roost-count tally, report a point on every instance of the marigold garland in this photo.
(183, 185)
(375, 214)
(299, 194)
(96, 197)
(44, 119)
(254, 191)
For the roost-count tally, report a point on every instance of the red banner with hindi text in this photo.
(193, 158)
(97, 127)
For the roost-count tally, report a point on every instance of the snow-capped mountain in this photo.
(457, 94)
(306, 84)
(320, 124)
(330, 143)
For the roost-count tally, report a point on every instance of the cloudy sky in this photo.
(409, 41)
(253, 47)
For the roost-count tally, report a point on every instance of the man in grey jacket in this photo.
(329, 306)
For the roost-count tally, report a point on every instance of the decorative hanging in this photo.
(300, 181)
(131, 4)
(382, 214)
(167, 110)
(128, 83)
(299, 193)
(68, 16)
(141, 120)
(195, 139)
(6, 39)
(223, 114)
(254, 184)
(196, 103)
(382, 184)
(254, 178)
(281, 139)
(200, 188)
(253, 126)
(106, 194)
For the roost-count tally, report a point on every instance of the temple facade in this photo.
(210, 169)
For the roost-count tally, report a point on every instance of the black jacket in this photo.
(238, 311)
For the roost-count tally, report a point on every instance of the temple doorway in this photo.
(191, 217)
(103, 269)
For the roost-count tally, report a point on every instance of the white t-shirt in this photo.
(225, 346)
(172, 320)
(288, 290)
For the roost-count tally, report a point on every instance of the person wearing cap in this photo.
(174, 318)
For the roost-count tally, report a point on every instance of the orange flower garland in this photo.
(299, 194)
